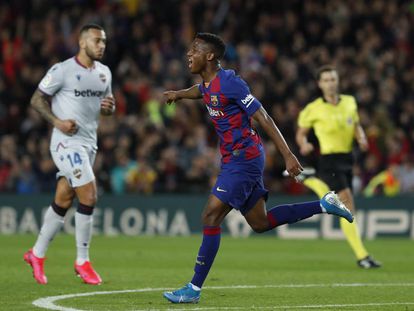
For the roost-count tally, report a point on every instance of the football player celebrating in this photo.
(239, 184)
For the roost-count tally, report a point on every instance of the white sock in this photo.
(83, 225)
(196, 288)
(52, 224)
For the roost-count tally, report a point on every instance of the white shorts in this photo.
(74, 162)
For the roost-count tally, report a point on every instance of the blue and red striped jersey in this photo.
(231, 105)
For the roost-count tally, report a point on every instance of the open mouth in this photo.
(190, 63)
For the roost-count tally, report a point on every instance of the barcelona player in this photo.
(239, 184)
(335, 120)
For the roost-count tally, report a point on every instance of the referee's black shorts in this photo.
(336, 170)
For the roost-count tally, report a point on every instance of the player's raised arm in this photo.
(190, 93)
(266, 122)
(40, 102)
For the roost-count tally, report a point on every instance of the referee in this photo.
(335, 121)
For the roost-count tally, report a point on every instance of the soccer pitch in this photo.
(256, 273)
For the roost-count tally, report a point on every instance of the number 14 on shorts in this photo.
(74, 158)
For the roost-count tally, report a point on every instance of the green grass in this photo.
(129, 263)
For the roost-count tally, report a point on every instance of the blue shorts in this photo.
(240, 184)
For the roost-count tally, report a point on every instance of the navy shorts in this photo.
(240, 184)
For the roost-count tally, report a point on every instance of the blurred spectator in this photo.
(276, 47)
(119, 172)
(406, 175)
(386, 182)
(26, 180)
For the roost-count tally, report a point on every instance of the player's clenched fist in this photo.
(293, 166)
(107, 105)
(68, 127)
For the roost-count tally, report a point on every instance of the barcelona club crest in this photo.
(214, 100)
(102, 77)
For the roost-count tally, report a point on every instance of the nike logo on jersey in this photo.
(220, 190)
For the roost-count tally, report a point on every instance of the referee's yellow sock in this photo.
(353, 237)
(350, 230)
(316, 185)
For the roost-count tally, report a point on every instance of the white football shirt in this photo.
(76, 93)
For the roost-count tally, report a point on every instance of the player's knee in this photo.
(89, 199)
(260, 227)
(210, 218)
(65, 200)
(60, 210)
(87, 195)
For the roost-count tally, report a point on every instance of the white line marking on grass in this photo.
(293, 307)
(49, 302)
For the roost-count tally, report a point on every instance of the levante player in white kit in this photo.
(71, 97)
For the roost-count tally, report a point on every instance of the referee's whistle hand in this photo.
(306, 149)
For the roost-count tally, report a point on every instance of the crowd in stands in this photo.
(276, 46)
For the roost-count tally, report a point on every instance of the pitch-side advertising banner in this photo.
(181, 215)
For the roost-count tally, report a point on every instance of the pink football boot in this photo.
(88, 274)
(37, 266)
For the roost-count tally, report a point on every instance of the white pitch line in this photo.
(49, 302)
(293, 307)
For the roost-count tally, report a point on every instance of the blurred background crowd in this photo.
(276, 46)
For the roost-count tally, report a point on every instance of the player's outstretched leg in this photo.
(261, 220)
(331, 204)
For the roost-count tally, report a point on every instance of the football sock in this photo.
(291, 213)
(52, 223)
(206, 254)
(350, 230)
(195, 287)
(353, 237)
(83, 229)
(317, 186)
